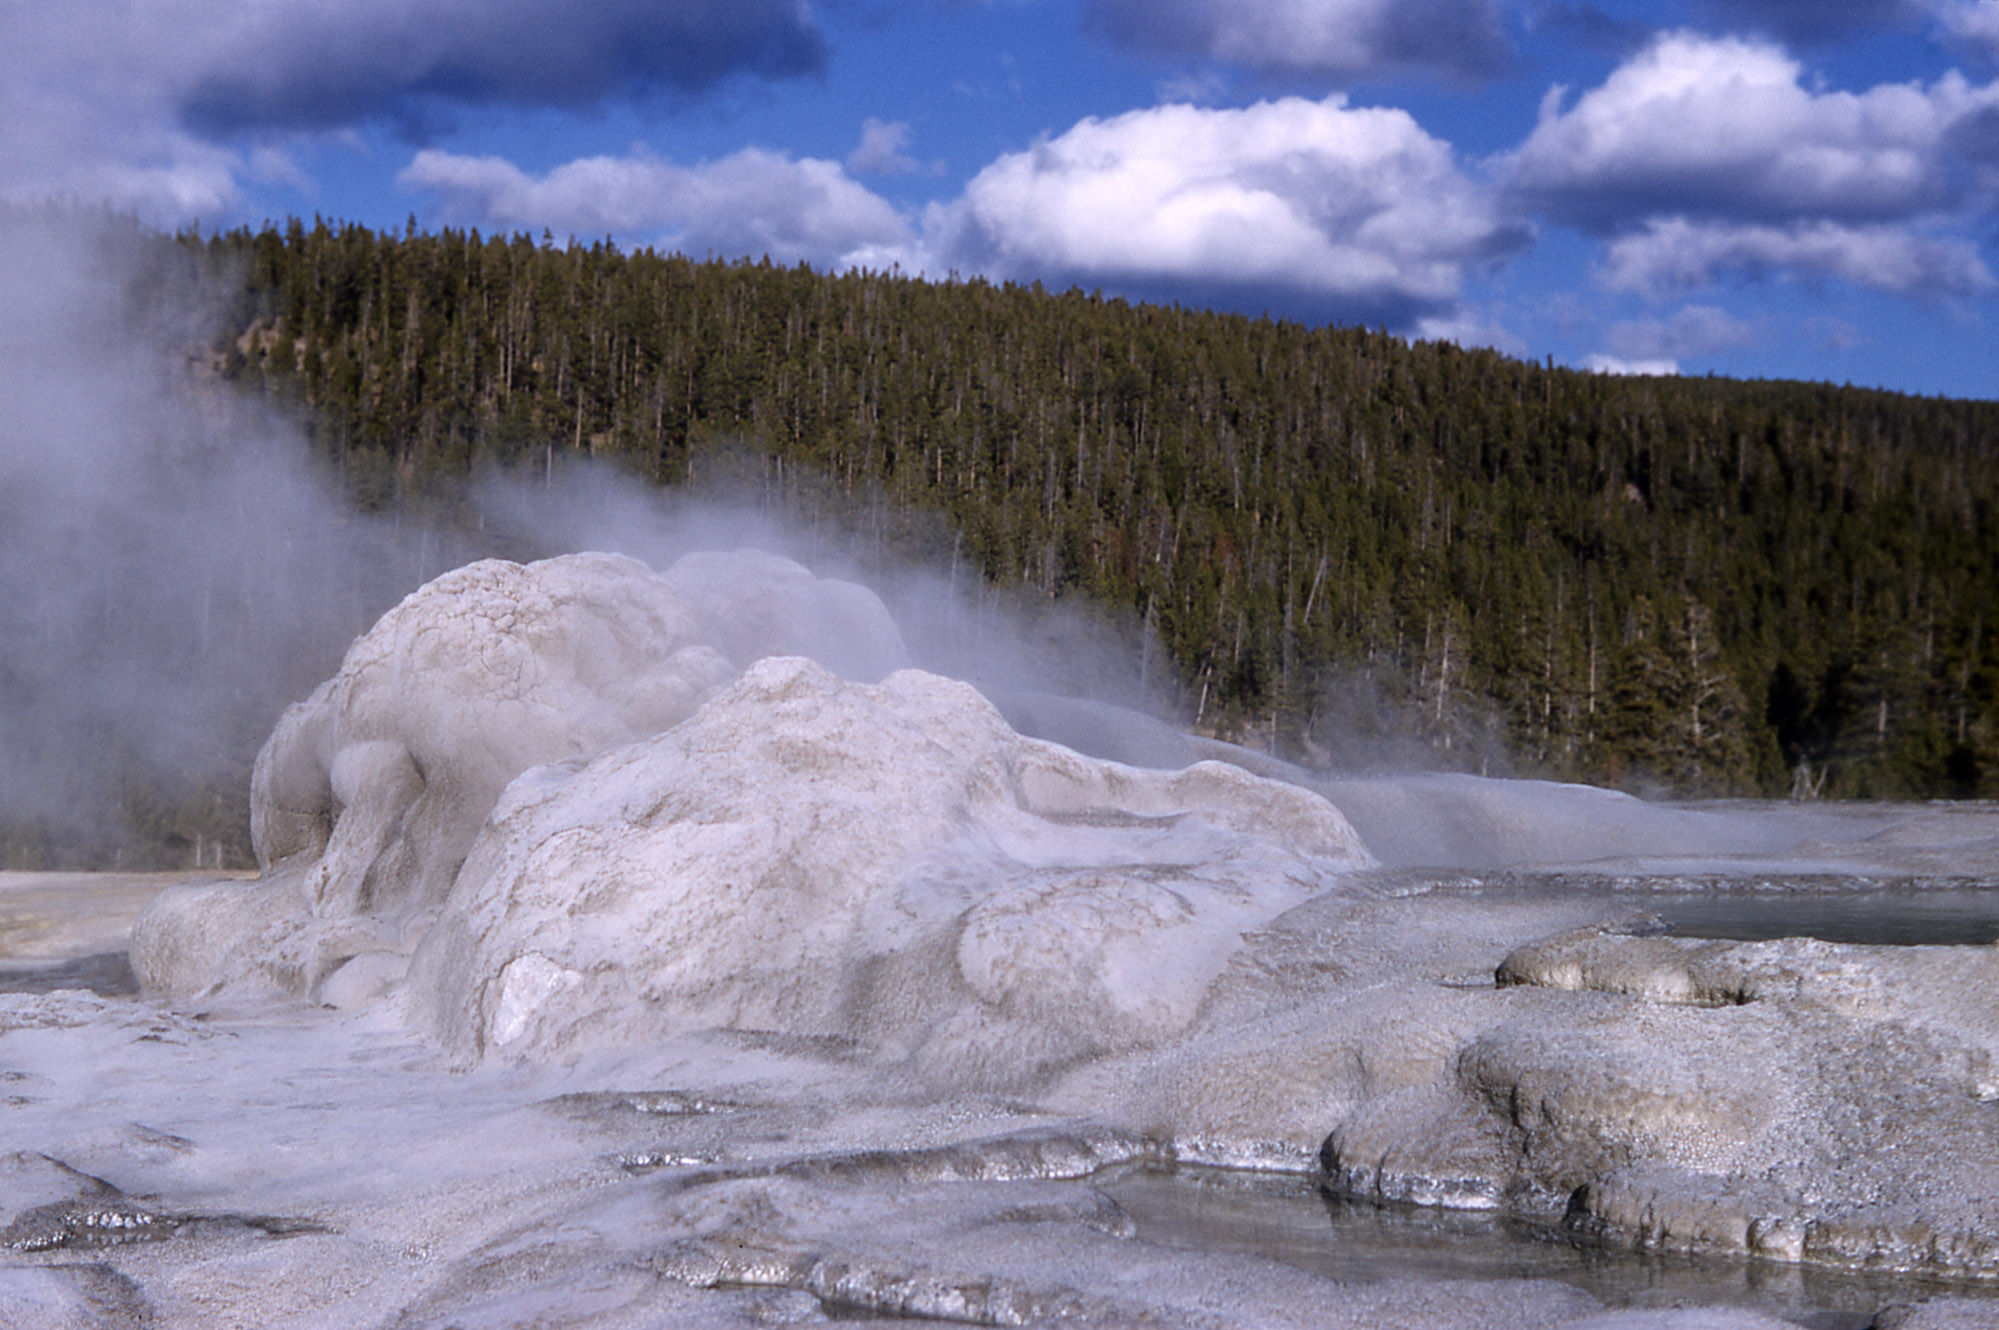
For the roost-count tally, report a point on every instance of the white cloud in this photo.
(251, 65)
(1703, 157)
(880, 151)
(1358, 208)
(1468, 328)
(169, 107)
(1342, 40)
(1974, 22)
(1657, 346)
(134, 164)
(1202, 88)
(1301, 205)
(1691, 331)
(1675, 254)
(73, 128)
(1295, 203)
(1725, 128)
(751, 203)
(1603, 364)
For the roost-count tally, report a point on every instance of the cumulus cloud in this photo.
(1469, 328)
(70, 127)
(169, 107)
(752, 202)
(1341, 40)
(1975, 23)
(1676, 254)
(1702, 157)
(880, 151)
(1723, 127)
(1356, 209)
(1975, 141)
(1603, 364)
(152, 172)
(262, 65)
(1308, 207)
(1691, 331)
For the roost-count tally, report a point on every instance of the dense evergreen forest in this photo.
(1694, 583)
(1350, 546)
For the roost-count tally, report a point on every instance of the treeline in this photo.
(1701, 585)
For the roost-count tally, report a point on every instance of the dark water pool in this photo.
(1899, 911)
(1289, 1219)
(108, 974)
(1941, 917)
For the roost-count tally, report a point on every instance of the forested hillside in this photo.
(1687, 583)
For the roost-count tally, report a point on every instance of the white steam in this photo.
(170, 565)
(176, 565)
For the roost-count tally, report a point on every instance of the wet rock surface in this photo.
(1939, 1313)
(71, 1297)
(1794, 1098)
(107, 973)
(45, 1205)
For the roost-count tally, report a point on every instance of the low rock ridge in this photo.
(1793, 1099)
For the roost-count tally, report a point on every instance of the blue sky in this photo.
(1765, 188)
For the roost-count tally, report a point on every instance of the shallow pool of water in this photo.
(1290, 1219)
(1944, 917)
(108, 974)
(1868, 911)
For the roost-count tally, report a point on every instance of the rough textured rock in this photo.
(45, 1205)
(1015, 1253)
(1834, 1110)
(1944, 992)
(1794, 1100)
(369, 793)
(382, 776)
(1679, 1318)
(890, 865)
(1941, 1313)
(70, 1297)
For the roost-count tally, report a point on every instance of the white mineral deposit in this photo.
(643, 948)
